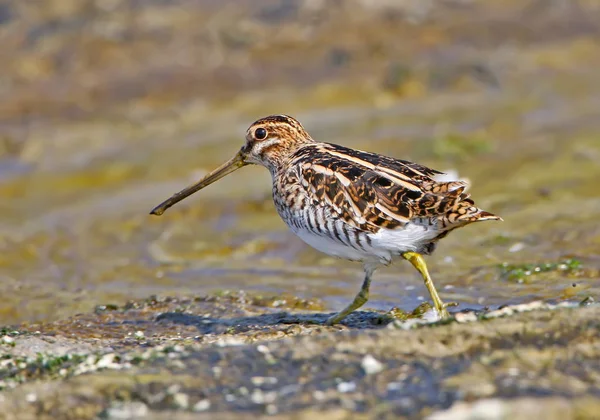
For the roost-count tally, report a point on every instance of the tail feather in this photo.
(445, 187)
(465, 211)
(486, 215)
(453, 205)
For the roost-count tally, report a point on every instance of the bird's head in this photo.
(269, 142)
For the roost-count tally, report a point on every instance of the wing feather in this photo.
(371, 191)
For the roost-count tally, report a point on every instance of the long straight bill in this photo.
(225, 169)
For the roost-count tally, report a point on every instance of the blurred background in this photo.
(107, 107)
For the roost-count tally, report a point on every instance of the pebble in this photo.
(344, 387)
(217, 370)
(106, 361)
(519, 246)
(126, 411)
(173, 389)
(524, 307)
(262, 349)
(260, 397)
(201, 405)
(230, 341)
(7, 340)
(394, 386)
(371, 365)
(406, 325)
(319, 395)
(462, 317)
(489, 409)
(181, 401)
(261, 380)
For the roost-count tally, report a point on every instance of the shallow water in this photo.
(95, 141)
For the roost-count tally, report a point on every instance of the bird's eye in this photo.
(260, 134)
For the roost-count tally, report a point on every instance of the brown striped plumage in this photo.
(372, 192)
(349, 203)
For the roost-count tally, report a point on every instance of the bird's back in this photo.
(368, 204)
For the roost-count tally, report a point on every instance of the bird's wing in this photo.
(370, 191)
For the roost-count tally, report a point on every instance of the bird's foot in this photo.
(424, 311)
(443, 311)
(335, 319)
(417, 313)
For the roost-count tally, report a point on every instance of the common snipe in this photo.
(351, 204)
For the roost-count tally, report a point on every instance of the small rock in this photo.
(492, 409)
(173, 389)
(262, 349)
(511, 310)
(260, 397)
(319, 395)
(230, 341)
(178, 364)
(261, 380)
(394, 386)
(7, 340)
(519, 246)
(106, 361)
(201, 405)
(371, 365)
(462, 317)
(406, 324)
(126, 411)
(257, 397)
(344, 387)
(181, 401)
(513, 371)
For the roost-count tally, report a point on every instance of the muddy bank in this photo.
(235, 356)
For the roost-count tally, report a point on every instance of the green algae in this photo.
(524, 272)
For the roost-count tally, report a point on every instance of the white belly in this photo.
(330, 246)
(385, 245)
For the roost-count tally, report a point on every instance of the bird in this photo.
(351, 204)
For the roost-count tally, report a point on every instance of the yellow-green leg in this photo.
(418, 262)
(359, 300)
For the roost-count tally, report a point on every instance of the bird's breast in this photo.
(326, 231)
